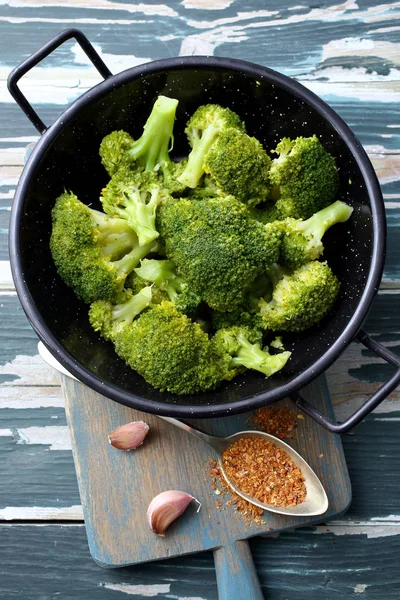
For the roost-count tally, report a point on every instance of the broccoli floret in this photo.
(151, 150)
(217, 248)
(171, 352)
(244, 345)
(305, 177)
(163, 274)
(202, 130)
(134, 196)
(109, 319)
(112, 150)
(247, 314)
(239, 165)
(301, 298)
(302, 240)
(93, 252)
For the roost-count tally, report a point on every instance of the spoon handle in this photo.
(209, 439)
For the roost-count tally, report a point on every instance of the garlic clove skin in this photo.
(166, 507)
(129, 436)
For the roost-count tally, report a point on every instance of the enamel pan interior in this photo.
(66, 157)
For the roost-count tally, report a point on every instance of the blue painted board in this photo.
(116, 487)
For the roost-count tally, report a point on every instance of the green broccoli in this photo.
(163, 274)
(112, 151)
(134, 196)
(110, 319)
(302, 240)
(217, 248)
(305, 177)
(93, 252)
(151, 150)
(248, 313)
(301, 298)
(202, 130)
(244, 345)
(171, 352)
(239, 165)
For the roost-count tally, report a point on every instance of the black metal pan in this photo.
(272, 106)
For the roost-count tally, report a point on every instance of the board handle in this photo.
(236, 574)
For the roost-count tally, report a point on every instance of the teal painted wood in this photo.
(33, 475)
(53, 562)
(114, 507)
(236, 574)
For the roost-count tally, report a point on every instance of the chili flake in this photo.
(278, 421)
(265, 472)
(249, 512)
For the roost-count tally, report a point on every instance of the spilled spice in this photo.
(278, 421)
(265, 472)
(245, 509)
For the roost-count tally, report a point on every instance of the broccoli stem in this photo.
(114, 245)
(320, 222)
(162, 273)
(152, 148)
(140, 210)
(194, 168)
(127, 311)
(275, 273)
(253, 357)
(131, 260)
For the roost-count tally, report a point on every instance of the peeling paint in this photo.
(146, 591)
(29, 370)
(36, 513)
(147, 9)
(361, 47)
(57, 437)
(207, 4)
(115, 62)
(372, 529)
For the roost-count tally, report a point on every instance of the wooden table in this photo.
(348, 53)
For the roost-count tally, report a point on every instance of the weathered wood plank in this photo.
(56, 563)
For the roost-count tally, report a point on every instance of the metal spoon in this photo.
(316, 502)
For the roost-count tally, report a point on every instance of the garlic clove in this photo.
(166, 507)
(129, 436)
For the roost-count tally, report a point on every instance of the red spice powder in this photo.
(265, 472)
(277, 421)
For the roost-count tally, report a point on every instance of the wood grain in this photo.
(171, 459)
(347, 52)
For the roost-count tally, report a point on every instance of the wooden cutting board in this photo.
(116, 486)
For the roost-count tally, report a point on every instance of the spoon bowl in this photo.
(316, 502)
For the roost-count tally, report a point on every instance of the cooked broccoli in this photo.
(202, 130)
(109, 319)
(112, 150)
(134, 196)
(171, 352)
(244, 345)
(239, 165)
(93, 252)
(247, 314)
(217, 248)
(305, 177)
(302, 240)
(163, 274)
(301, 298)
(152, 148)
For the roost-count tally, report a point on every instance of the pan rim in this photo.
(207, 410)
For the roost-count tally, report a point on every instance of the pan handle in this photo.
(39, 55)
(369, 405)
